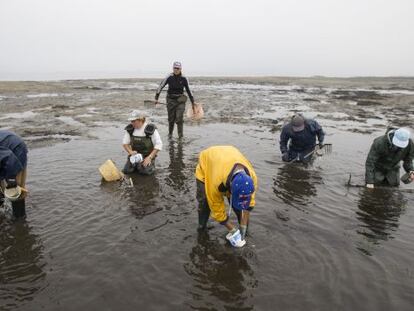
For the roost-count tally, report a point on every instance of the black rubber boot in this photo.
(203, 217)
(170, 129)
(19, 208)
(180, 128)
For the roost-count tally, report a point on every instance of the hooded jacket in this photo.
(13, 152)
(215, 167)
(384, 156)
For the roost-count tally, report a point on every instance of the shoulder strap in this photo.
(130, 129)
(150, 129)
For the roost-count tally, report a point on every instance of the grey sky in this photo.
(49, 39)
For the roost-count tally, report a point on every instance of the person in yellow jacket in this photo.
(223, 171)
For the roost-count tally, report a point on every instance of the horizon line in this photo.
(122, 76)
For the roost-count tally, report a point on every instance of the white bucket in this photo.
(235, 239)
(136, 158)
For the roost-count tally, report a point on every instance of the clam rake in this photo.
(349, 184)
(319, 151)
(325, 149)
(151, 103)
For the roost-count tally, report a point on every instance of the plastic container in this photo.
(136, 158)
(235, 239)
(110, 172)
(13, 194)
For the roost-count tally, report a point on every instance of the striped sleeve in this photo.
(187, 88)
(162, 85)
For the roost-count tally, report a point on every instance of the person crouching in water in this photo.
(13, 171)
(298, 138)
(223, 171)
(382, 167)
(142, 142)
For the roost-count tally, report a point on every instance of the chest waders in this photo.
(175, 109)
(142, 144)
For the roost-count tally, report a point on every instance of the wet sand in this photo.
(314, 243)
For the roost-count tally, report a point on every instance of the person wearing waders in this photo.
(223, 171)
(142, 142)
(382, 167)
(298, 139)
(13, 171)
(175, 98)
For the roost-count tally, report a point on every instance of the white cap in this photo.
(136, 115)
(401, 138)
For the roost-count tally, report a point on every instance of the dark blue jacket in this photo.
(301, 141)
(13, 155)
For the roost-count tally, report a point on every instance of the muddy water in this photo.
(315, 244)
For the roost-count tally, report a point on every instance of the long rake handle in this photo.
(152, 102)
(349, 184)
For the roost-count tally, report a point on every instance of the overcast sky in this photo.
(52, 39)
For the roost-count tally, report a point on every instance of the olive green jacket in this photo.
(384, 158)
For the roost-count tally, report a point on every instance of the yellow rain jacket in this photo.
(214, 169)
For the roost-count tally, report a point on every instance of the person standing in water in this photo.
(382, 167)
(175, 98)
(223, 171)
(13, 171)
(298, 138)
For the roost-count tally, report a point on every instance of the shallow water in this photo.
(314, 244)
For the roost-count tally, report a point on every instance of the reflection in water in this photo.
(378, 212)
(295, 184)
(141, 198)
(176, 177)
(21, 264)
(143, 195)
(219, 271)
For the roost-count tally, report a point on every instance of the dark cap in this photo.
(298, 123)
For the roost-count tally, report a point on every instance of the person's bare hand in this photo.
(147, 161)
(412, 175)
(133, 153)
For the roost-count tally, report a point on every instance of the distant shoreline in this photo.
(208, 77)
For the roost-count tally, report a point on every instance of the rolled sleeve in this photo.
(156, 140)
(127, 139)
